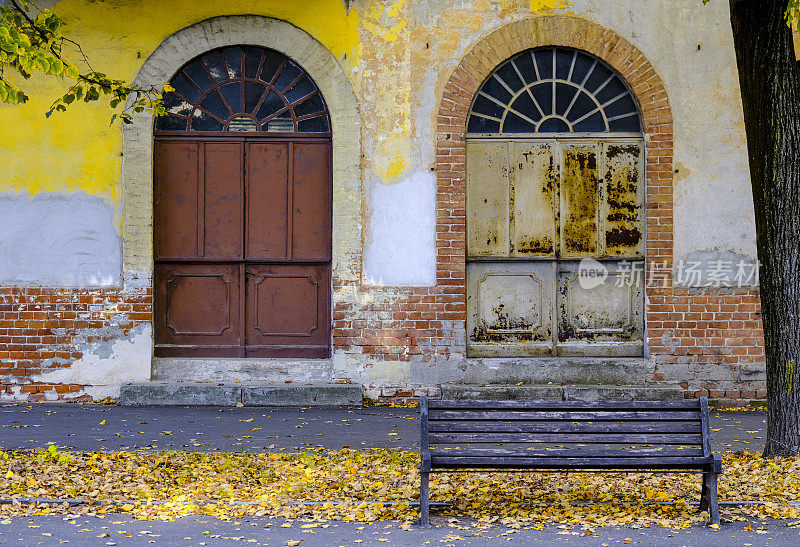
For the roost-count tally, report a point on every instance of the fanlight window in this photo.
(244, 88)
(554, 90)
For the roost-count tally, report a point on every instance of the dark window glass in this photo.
(312, 105)
(272, 62)
(544, 61)
(253, 91)
(495, 89)
(620, 107)
(233, 95)
(482, 125)
(272, 103)
(233, 61)
(175, 105)
(564, 95)
(576, 91)
(564, 63)
(554, 125)
(313, 125)
(592, 124)
(301, 89)
(509, 76)
(629, 124)
(185, 89)
(204, 122)
(484, 105)
(524, 105)
(288, 74)
(214, 104)
(515, 124)
(198, 75)
(171, 123)
(252, 60)
(224, 89)
(543, 93)
(213, 62)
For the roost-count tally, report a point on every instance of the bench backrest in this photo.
(553, 429)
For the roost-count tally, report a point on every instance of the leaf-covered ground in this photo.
(378, 484)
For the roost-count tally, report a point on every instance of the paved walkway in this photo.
(257, 429)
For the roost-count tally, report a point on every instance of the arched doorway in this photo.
(242, 209)
(555, 209)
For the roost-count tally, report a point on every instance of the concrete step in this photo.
(653, 392)
(160, 393)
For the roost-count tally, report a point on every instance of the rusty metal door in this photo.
(242, 245)
(540, 212)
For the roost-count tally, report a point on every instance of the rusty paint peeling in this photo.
(580, 186)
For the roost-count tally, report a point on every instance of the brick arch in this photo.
(476, 66)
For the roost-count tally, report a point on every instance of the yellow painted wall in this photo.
(380, 44)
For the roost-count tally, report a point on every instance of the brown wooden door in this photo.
(242, 248)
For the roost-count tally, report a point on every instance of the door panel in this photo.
(510, 311)
(601, 318)
(533, 176)
(623, 206)
(254, 207)
(175, 202)
(487, 198)
(311, 201)
(222, 200)
(267, 199)
(288, 310)
(197, 305)
(580, 200)
(535, 208)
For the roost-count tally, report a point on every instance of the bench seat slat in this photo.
(588, 415)
(627, 452)
(570, 405)
(564, 427)
(654, 462)
(605, 438)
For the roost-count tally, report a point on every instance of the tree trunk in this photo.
(770, 83)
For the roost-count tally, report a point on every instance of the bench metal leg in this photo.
(424, 506)
(710, 499)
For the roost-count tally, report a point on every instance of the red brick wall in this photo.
(43, 329)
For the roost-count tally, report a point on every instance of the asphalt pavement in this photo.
(92, 427)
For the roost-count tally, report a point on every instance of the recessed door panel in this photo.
(288, 310)
(197, 305)
(534, 184)
(623, 203)
(510, 311)
(600, 315)
(580, 201)
(175, 199)
(268, 179)
(487, 199)
(222, 203)
(311, 201)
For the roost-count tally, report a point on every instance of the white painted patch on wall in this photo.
(58, 240)
(107, 365)
(401, 236)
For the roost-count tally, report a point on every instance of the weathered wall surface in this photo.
(398, 312)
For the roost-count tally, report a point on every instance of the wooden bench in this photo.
(628, 436)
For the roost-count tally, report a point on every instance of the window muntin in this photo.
(554, 90)
(244, 89)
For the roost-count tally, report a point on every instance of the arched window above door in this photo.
(244, 88)
(554, 90)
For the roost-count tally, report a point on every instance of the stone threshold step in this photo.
(654, 392)
(209, 394)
